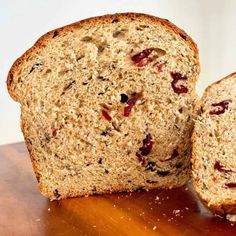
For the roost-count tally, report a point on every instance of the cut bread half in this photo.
(214, 147)
(107, 105)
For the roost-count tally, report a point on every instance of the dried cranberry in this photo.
(145, 149)
(106, 115)
(174, 154)
(159, 68)
(54, 132)
(218, 166)
(131, 102)
(178, 88)
(141, 59)
(141, 159)
(231, 185)
(219, 108)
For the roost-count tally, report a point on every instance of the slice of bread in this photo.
(214, 147)
(107, 105)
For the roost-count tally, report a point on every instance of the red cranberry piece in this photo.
(178, 88)
(218, 166)
(131, 102)
(145, 149)
(106, 115)
(141, 59)
(54, 132)
(231, 185)
(141, 159)
(143, 63)
(219, 108)
(159, 68)
(174, 154)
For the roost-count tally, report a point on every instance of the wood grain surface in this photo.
(24, 211)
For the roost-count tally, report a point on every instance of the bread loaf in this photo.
(107, 105)
(214, 147)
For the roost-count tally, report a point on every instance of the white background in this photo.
(211, 23)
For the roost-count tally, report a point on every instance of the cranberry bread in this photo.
(214, 147)
(107, 105)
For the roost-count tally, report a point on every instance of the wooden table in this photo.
(24, 211)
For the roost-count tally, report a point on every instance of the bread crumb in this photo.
(157, 198)
(154, 228)
(176, 211)
(231, 218)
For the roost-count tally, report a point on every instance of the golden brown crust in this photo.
(230, 76)
(28, 145)
(225, 207)
(222, 209)
(114, 190)
(102, 19)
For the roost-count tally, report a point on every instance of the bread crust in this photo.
(230, 76)
(101, 19)
(225, 207)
